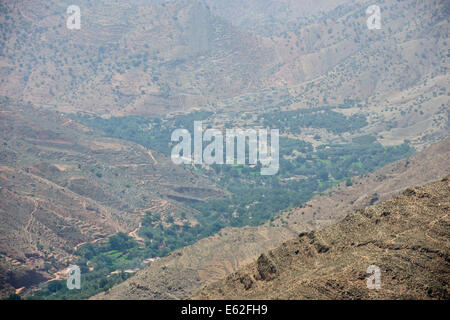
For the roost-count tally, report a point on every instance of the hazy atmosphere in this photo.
(224, 149)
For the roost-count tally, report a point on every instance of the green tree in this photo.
(14, 296)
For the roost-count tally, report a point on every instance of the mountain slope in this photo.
(145, 57)
(62, 184)
(407, 237)
(187, 270)
(155, 58)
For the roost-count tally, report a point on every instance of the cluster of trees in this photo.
(92, 282)
(161, 239)
(151, 133)
(324, 117)
(121, 252)
(254, 199)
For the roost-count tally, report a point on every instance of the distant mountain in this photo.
(142, 57)
(405, 238)
(167, 57)
(272, 17)
(186, 270)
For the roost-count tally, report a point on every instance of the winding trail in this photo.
(67, 122)
(30, 221)
(149, 152)
(135, 231)
(80, 244)
(135, 235)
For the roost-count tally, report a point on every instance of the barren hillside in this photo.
(62, 184)
(407, 237)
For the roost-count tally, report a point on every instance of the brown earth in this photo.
(184, 55)
(407, 237)
(62, 185)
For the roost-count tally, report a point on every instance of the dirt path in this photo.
(67, 122)
(80, 244)
(149, 152)
(135, 235)
(30, 220)
(19, 290)
(60, 275)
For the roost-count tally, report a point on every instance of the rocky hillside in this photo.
(145, 57)
(407, 237)
(157, 57)
(186, 270)
(63, 184)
